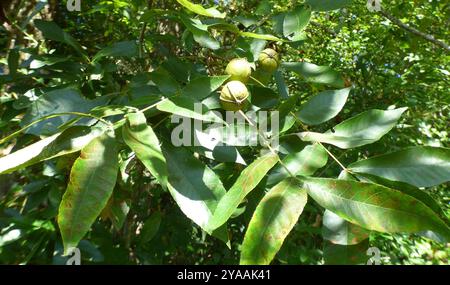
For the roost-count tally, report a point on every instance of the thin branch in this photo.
(414, 31)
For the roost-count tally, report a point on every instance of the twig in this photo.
(412, 30)
(267, 142)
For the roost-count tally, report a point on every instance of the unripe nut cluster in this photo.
(269, 60)
(239, 69)
(233, 96)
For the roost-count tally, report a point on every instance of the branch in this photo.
(410, 29)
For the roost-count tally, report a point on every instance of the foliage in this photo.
(90, 102)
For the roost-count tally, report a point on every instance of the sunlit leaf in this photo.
(189, 108)
(143, 141)
(363, 129)
(273, 219)
(193, 185)
(198, 9)
(375, 207)
(421, 166)
(305, 162)
(66, 142)
(247, 181)
(92, 180)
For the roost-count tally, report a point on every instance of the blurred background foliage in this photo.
(388, 66)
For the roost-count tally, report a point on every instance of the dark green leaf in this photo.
(323, 107)
(316, 74)
(122, 49)
(52, 31)
(202, 87)
(59, 101)
(150, 228)
(327, 5)
(336, 254)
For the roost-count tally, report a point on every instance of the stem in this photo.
(141, 40)
(329, 152)
(257, 81)
(13, 135)
(334, 158)
(252, 124)
(120, 123)
(414, 31)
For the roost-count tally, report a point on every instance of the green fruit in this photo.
(239, 69)
(269, 60)
(233, 96)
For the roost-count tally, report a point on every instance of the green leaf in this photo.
(198, 9)
(273, 219)
(363, 129)
(266, 37)
(316, 74)
(91, 184)
(237, 134)
(123, 49)
(202, 87)
(116, 211)
(66, 142)
(305, 162)
(200, 33)
(421, 166)
(327, 5)
(210, 146)
(13, 60)
(59, 101)
(282, 87)
(375, 207)
(52, 31)
(336, 254)
(145, 144)
(263, 97)
(296, 20)
(323, 107)
(185, 107)
(246, 182)
(339, 231)
(406, 188)
(150, 228)
(193, 185)
(165, 82)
